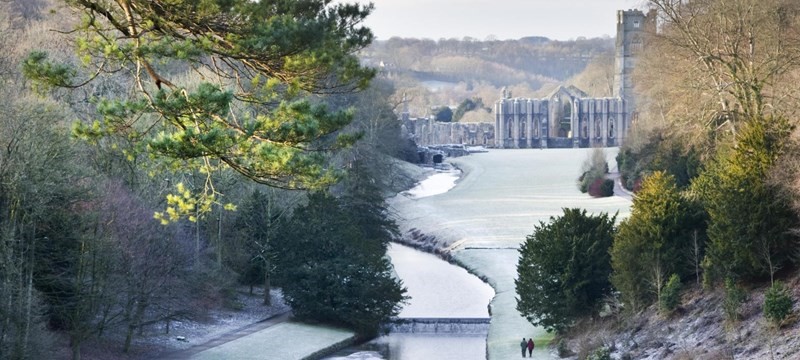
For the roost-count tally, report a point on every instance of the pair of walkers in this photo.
(527, 345)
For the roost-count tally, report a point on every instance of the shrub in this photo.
(777, 303)
(601, 188)
(602, 353)
(583, 182)
(607, 188)
(734, 297)
(594, 168)
(670, 295)
(563, 350)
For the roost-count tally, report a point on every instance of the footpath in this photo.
(619, 190)
(277, 338)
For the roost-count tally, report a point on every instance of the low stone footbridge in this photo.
(430, 325)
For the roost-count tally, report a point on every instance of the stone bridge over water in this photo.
(467, 326)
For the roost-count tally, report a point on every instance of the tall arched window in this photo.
(585, 128)
(598, 129)
(610, 128)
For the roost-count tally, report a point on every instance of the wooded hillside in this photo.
(448, 71)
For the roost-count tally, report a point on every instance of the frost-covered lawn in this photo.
(285, 341)
(500, 197)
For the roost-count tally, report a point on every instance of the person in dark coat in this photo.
(523, 345)
(531, 345)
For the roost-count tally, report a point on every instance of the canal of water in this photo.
(437, 289)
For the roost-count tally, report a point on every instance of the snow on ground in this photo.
(501, 196)
(438, 183)
(288, 340)
(155, 343)
(251, 310)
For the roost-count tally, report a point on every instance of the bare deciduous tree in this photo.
(739, 50)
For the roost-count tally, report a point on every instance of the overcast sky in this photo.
(504, 19)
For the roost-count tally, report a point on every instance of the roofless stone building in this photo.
(566, 118)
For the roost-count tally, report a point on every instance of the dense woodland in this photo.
(713, 161)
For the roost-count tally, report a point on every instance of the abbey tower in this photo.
(632, 29)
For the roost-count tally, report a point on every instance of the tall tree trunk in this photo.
(267, 298)
(197, 239)
(75, 344)
(29, 294)
(128, 337)
(219, 238)
(696, 257)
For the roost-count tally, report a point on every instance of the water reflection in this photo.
(438, 289)
(419, 346)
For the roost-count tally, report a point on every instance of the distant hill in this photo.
(530, 66)
(499, 63)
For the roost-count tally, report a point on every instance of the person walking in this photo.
(523, 345)
(531, 345)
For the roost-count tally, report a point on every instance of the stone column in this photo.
(591, 126)
(544, 128)
(529, 124)
(575, 124)
(515, 126)
(499, 133)
(604, 127)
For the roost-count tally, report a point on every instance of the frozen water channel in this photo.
(437, 289)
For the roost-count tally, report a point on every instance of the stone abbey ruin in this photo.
(566, 118)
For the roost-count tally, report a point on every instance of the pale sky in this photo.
(505, 19)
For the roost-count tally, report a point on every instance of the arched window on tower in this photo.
(565, 123)
(636, 44)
